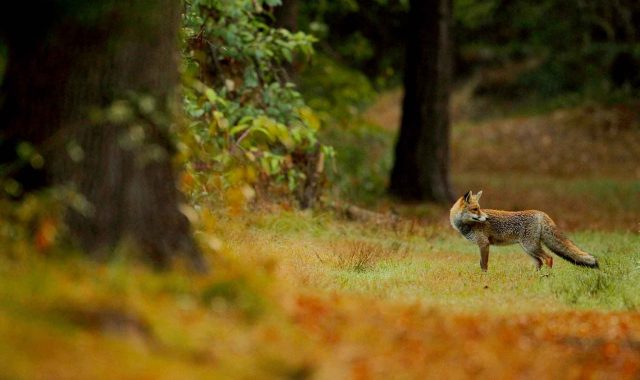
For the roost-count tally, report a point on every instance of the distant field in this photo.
(580, 165)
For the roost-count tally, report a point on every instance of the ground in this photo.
(314, 295)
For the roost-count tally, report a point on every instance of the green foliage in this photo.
(340, 92)
(363, 160)
(568, 46)
(249, 124)
(364, 35)
(474, 14)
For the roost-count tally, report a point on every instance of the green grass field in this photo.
(435, 266)
(297, 295)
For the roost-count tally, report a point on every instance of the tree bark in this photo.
(286, 15)
(94, 89)
(421, 167)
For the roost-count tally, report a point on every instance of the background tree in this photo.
(91, 85)
(362, 35)
(421, 167)
(286, 15)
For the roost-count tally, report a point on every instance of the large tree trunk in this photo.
(421, 168)
(93, 87)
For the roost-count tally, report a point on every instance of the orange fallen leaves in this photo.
(46, 233)
(413, 342)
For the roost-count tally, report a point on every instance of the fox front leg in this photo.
(484, 256)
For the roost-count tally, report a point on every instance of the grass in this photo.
(298, 295)
(442, 269)
(352, 300)
(72, 319)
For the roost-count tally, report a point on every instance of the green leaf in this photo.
(211, 95)
(287, 54)
(239, 128)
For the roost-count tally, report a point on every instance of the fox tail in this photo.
(563, 247)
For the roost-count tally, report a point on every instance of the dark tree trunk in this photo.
(94, 90)
(286, 15)
(421, 167)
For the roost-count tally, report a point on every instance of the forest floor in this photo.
(299, 295)
(580, 164)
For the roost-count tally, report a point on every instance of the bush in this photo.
(250, 130)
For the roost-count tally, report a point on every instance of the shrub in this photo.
(250, 130)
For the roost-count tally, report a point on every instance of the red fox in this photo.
(528, 228)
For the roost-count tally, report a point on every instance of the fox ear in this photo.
(478, 195)
(467, 196)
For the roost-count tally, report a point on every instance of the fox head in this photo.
(469, 209)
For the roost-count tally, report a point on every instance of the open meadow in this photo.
(315, 294)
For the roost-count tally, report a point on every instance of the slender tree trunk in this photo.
(95, 91)
(421, 167)
(286, 15)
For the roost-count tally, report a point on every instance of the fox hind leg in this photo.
(538, 255)
(537, 261)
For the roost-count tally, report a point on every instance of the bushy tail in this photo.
(563, 247)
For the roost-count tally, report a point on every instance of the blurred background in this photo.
(544, 110)
(262, 188)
